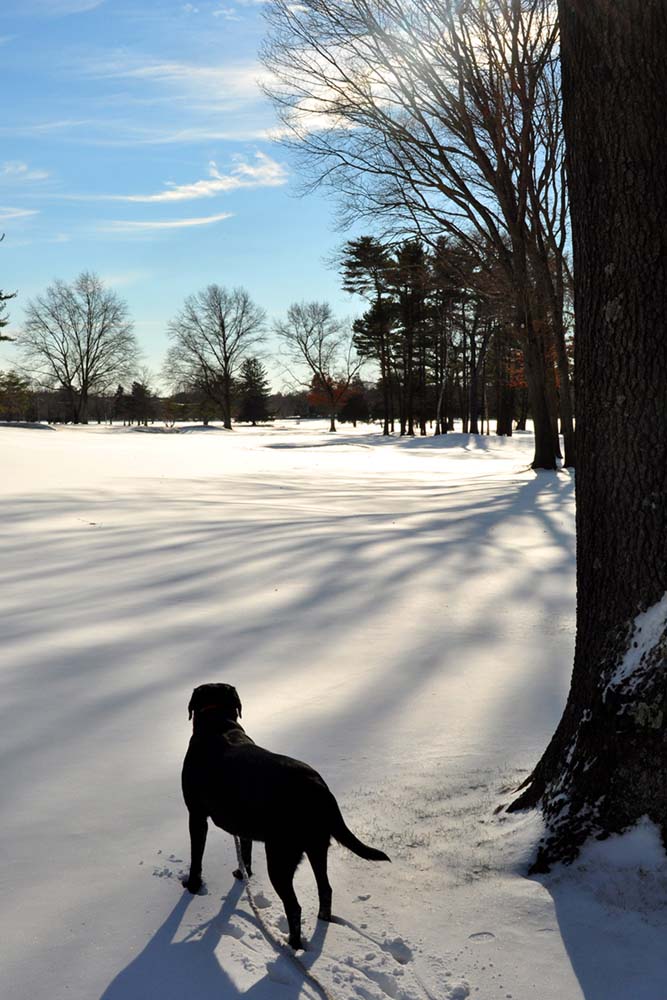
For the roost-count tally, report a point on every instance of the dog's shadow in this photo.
(172, 970)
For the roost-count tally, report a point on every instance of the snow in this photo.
(648, 630)
(398, 613)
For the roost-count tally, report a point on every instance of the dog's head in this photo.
(223, 697)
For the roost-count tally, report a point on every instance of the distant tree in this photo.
(323, 345)
(118, 406)
(364, 265)
(15, 396)
(288, 404)
(211, 335)
(79, 338)
(142, 403)
(4, 319)
(355, 405)
(253, 392)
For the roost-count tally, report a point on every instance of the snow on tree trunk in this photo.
(605, 766)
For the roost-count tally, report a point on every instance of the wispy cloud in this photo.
(127, 226)
(227, 13)
(119, 133)
(238, 82)
(262, 172)
(58, 238)
(16, 213)
(19, 171)
(45, 128)
(57, 8)
(121, 279)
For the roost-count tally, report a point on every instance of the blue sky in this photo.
(135, 142)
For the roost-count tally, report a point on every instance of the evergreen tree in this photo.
(15, 395)
(4, 319)
(253, 391)
(142, 404)
(364, 266)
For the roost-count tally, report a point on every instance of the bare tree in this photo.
(78, 338)
(211, 335)
(323, 345)
(423, 113)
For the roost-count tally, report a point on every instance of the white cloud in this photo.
(122, 279)
(56, 8)
(239, 82)
(16, 213)
(227, 13)
(45, 128)
(127, 226)
(262, 172)
(17, 170)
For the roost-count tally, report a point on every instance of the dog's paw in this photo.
(237, 873)
(193, 884)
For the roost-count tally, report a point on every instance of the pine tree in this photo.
(254, 392)
(15, 395)
(4, 319)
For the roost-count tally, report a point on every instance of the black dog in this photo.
(259, 795)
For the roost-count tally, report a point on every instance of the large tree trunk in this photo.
(605, 766)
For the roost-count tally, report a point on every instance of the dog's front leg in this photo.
(246, 854)
(198, 825)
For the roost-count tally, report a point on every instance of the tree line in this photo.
(435, 329)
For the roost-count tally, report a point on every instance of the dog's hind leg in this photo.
(317, 855)
(282, 860)
(198, 825)
(246, 854)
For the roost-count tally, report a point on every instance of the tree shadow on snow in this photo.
(615, 944)
(176, 969)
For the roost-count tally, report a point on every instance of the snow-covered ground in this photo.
(398, 613)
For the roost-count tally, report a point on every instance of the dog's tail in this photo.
(344, 836)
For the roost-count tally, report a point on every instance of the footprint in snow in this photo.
(261, 901)
(481, 936)
(233, 930)
(458, 992)
(386, 981)
(398, 949)
(276, 972)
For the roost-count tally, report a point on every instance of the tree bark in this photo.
(605, 765)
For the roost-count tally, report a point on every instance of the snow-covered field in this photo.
(400, 614)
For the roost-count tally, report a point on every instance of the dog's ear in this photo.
(191, 704)
(237, 702)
